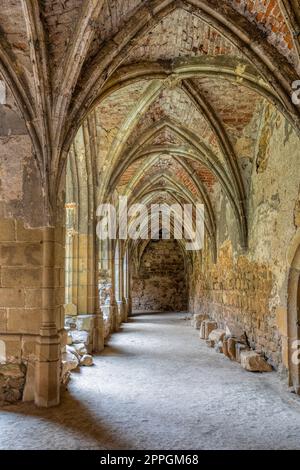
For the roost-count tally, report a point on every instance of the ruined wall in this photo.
(251, 288)
(160, 284)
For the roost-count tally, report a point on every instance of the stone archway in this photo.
(294, 322)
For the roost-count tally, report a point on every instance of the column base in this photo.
(47, 371)
(121, 311)
(98, 333)
(114, 324)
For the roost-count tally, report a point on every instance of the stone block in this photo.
(10, 297)
(71, 349)
(21, 254)
(34, 298)
(219, 347)
(80, 348)
(209, 327)
(28, 393)
(70, 309)
(239, 347)
(69, 339)
(85, 322)
(20, 320)
(254, 362)
(7, 230)
(21, 277)
(80, 337)
(3, 320)
(28, 347)
(202, 330)
(69, 362)
(87, 360)
(235, 331)
(231, 348)
(28, 234)
(197, 319)
(225, 348)
(216, 335)
(64, 338)
(2, 352)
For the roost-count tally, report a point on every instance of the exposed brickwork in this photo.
(13, 30)
(181, 35)
(266, 14)
(60, 18)
(167, 167)
(205, 175)
(114, 15)
(110, 115)
(173, 104)
(235, 104)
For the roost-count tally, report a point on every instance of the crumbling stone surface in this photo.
(86, 360)
(216, 336)
(231, 348)
(79, 336)
(208, 326)
(239, 348)
(161, 282)
(231, 143)
(69, 362)
(80, 348)
(12, 382)
(197, 319)
(254, 362)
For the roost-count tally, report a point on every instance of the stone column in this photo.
(129, 299)
(71, 260)
(113, 301)
(48, 348)
(31, 301)
(121, 300)
(98, 325)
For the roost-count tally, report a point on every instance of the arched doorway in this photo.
(294, 322)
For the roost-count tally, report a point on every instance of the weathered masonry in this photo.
(172, 102)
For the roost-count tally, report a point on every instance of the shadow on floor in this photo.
(73, 415)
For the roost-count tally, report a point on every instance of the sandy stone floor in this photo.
(157, 386)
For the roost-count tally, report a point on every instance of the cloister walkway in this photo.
(157, 386)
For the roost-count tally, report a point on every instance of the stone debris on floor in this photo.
(77, 351)
(231, 341)
(127, 401)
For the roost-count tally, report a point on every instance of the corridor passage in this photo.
(157, 386)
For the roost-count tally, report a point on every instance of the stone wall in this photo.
(31, 269)
(160, 284)
(238, 292)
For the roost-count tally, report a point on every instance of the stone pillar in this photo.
(98, 325)
(31, 305)
(71, 260)
(129, 299)
(122, 301)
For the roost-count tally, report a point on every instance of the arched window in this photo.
(117, 272)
